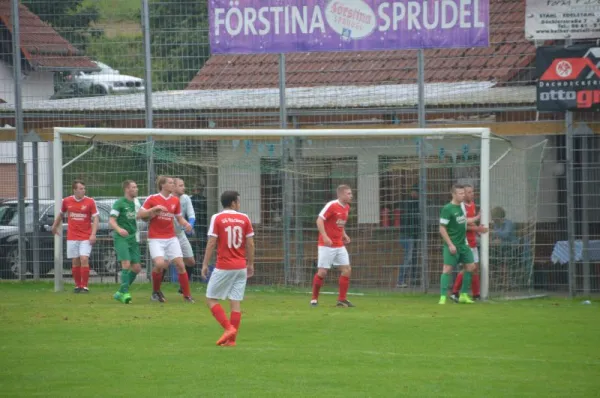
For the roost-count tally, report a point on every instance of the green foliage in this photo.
(112, 11)
(72, 19)
(124, 53)
(179, 37)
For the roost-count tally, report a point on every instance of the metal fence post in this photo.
(585, 144)
(148, 107)
(298, 219)
(21, 181)
(570, 195)
(149, 116)
(287, 187)
(423, 174)
(35, 243)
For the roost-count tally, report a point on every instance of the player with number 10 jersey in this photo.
(231, 229)
(231, 233)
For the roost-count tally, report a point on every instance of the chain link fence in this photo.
(86, 63)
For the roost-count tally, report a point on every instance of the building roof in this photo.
(41, 45)
(508, 60)
(326, 97)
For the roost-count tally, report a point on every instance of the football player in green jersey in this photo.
(455, 250)
(123, 220)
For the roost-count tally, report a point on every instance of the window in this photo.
(319, 180)
(397, 176)
(271, 191)
(8, 181)
(7, 212)
(103, 214)
(313, 184)
(28, 217)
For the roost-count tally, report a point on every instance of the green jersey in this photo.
(125, 212)
(454, 218)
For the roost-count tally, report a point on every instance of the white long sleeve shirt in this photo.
(187, 211)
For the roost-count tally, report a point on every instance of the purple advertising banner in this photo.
(284, 26)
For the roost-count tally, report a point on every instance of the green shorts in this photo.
(463, 255)
(128, 250)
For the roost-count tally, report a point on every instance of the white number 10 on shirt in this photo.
(234, 236)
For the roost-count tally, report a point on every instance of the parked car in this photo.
(104, 81)
(103, 259)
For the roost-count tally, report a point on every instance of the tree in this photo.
(179, 38)
(72, 19)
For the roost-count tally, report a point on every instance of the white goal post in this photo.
(481, 134)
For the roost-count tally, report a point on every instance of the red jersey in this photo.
(471, 212)
(335, 216)
(79, 215)
(161, 226)
(231, 229)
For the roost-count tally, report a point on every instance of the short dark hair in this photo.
(127, 183)
(498, 212)
(228, 197)
(455, 187)
(75, 182)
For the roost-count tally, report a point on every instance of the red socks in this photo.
(85, 276)
(344, 284)
(220, 316)
(76, 271)
(317, 283)
(457, 283)
(185, 284)
(475, 285)
(156, 280)
(235, 320)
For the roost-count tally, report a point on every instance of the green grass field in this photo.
(117, 10)
(62, 344)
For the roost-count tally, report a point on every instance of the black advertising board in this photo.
(568, 78)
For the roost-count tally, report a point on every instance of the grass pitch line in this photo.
(439, 357)
(332, 293)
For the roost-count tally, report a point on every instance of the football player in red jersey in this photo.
(82, 224)
(331, 223)
(231, 233)
(161, 209)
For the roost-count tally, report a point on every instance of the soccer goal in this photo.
(285, 177)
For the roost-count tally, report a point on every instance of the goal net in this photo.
(400, 178)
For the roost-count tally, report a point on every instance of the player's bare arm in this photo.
(56, 225)
(210, 248)
(138, 217)
(346, 238)
(95, 222)
(482, 229)
(447, 239)
(183, 222)
(145, 214)
(472, 224)
(113, 224)
(321, 226)
(250, 248)
(473, 220)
